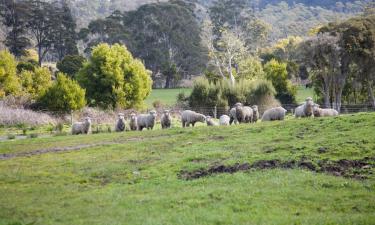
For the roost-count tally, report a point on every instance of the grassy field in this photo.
(169, 96)
(308, 171)
(166, 96)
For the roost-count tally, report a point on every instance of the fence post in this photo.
(215, 112)
(71, 117)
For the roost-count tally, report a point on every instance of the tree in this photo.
(71, 64)
(277, 73)
(113, 78)
(9, 81)
(63, 96)
(14, 14)
(250, 68)
(37, 82)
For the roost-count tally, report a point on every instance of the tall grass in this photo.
(15, 116)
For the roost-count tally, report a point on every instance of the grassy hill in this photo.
(308, 171)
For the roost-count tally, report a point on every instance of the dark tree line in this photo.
(50, 25)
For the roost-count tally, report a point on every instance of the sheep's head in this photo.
(121, 116)
(316, 110)
(166, 112)
(133, 116)
(255, 108)
(153, 113)
(88, 120)
(238, 105)
(309, 106)
(203, 118)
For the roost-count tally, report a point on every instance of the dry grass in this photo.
(13, 117)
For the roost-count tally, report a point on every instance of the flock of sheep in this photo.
(238, 114)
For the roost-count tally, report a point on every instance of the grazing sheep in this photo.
(319, 112)
(146, 120)
(82, 127)
(244, 113)
(224, 120)
(306, 109)
(120, 125)
(190, 117)
(210, 122)
(233, 116)
(133, 122)
(166, 120)
(277, 113)
(255, 113)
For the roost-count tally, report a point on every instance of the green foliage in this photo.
(36, 82)
(113, 78)
(64, 95)
(277, 73)
(222, 94)
(71, 64)
(9, 81)
(250, 68)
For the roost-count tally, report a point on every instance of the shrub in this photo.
(157, 104)
(9, 81)
(71, 64)
(36, 82)
(277, 73)
(34, 135)
(250, 68)
(22, 117)
(114, 79)
(11, 136)
(63, 96)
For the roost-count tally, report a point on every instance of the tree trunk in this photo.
(371, 94)
(338, 96)
(168, 81)
(326, 93)
(40, 55)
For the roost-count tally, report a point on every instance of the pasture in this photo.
(167, 97)
(298, 171)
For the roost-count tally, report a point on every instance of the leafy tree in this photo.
(9, 81)
(63, 96)
(277, 73)
(14, 14)
(71, 64)
(36, 82)
(113, 78)
(250, 68)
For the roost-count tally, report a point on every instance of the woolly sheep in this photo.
(146, 121)
(319, 112)
(255, 113)
(133, 122)
(166, 120)
(224, 120)
(244, 113)
(210, 122)
(190, 117)
(232, 116)
(277, 113)
(120, 124)
(82, 127)
(306, 109)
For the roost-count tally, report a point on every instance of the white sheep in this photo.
(319, 112)
(133, 122)
(306, 109)
(210, 122)
(256, 115)
(82, 127)
(233, 116)
(146, 120)
(224, 120)
(190, 117)
(244, 113)
(120, 124)
(277, 113)
(166, 120)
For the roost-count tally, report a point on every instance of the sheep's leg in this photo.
(193, 124)
(231, 121)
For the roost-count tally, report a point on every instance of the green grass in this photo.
(132, 178)
(303, 93)
(166, 96)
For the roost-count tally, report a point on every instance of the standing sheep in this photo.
(190, 117)
(233, 116)
(166, 120)
(305, 110)
(277, 113)
(319, 112)
(146, 120)
(224, 120)
(133, 122)
(210, 122)
(244, 113)
(120, 124)
(255, 113)
(82, 127)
